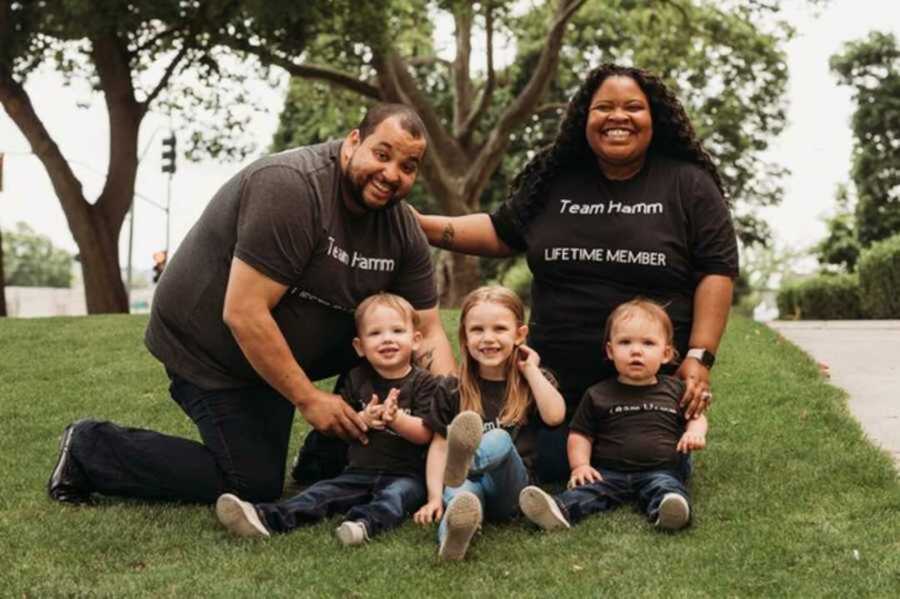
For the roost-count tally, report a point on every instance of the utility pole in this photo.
(168, 166)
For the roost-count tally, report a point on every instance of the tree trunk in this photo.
(99, 253)
(2, 280)
(457, 275)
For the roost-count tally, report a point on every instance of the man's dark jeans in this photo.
(646, 488)
(380, 500)
(245, 436)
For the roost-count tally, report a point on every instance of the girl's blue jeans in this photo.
(496, 477)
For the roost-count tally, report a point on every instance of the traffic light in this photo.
(159, 264)
(168, 154)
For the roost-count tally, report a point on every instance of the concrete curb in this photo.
(863, 357)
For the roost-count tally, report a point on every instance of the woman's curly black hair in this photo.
(673, 135)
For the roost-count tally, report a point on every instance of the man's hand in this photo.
(691, 441)
(329, 414)
(430, 512)
(583, 475)
(696, 396)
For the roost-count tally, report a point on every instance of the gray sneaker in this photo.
(674, 512)
(352, 532)
(540, 507)
(463, 437)
(240, 517)
(463, 519)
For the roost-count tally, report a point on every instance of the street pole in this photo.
(168, 213)
(130, 251)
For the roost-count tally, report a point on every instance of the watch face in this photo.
(708, 359)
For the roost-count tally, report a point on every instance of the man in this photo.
(256, 304)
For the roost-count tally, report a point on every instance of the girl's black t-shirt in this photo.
(596, 243)
(493, 394)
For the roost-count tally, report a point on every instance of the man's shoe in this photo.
(67, 483)
(240, 517)
(540, 507)
(674, 512)
(463, 438)
(352, 532)
(463, 520)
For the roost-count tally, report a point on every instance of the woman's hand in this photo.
(697, 397)
(583, 475)
(430, 512)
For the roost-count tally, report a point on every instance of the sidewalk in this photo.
(864, 360)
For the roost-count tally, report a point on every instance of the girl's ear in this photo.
(521, 334)
(609, 353)
(416, 341)
(357, 345)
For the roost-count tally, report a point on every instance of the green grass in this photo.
(790, 500)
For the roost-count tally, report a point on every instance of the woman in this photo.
(625, 202)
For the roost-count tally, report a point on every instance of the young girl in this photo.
(485, 422)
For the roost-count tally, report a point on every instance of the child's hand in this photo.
(389, 414)
(584, 475)
(691, 442)
(528, 358)
(373, 414)
(430, 512)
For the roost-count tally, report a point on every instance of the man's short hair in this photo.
(382, 298)
(409, 119)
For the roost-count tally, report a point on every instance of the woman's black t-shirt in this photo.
(596, 243)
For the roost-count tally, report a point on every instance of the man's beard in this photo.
(354, 191)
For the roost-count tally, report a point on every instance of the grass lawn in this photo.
(789, 498)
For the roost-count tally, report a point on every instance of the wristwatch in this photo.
(702, 355)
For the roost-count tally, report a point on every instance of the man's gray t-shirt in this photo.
(284, 215)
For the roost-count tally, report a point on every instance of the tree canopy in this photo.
(871, 66)
(31, 260)
(728, 70)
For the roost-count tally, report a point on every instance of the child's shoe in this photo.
(463, 519)
(674, 512)
(463, 437)
(240, 517)
(352, 532)
(540, 507)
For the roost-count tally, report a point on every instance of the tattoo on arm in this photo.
(447, 236)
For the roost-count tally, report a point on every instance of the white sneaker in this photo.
(463, 438)
(540, 507)
(352, 532)
(240, 517)
(674, 512)
(463, 519)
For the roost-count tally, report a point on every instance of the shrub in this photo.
(823, 297)
(518, 278)
(879, 278)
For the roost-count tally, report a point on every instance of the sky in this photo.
(815, 146)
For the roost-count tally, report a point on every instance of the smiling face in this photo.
(492, 333)
(637, 346)
(387, 339)
(619, 126)
(380, 170)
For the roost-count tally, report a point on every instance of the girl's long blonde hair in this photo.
(518, 393)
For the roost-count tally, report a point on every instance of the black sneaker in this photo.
(67, 483)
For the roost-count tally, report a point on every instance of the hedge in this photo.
(879, 278)
(823, 297)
